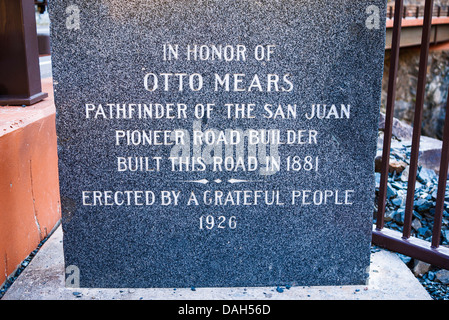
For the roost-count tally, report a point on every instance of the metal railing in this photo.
(418, 12)
(430, 252)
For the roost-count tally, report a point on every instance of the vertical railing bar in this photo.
(391, 96)
(405, 12)
(442, 181)
(417, 12)
(420, 92)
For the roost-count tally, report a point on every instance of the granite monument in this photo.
(217, 143)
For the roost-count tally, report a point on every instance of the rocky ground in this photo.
(435, 280)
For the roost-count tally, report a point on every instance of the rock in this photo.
(404, 258)
(399, 216)
(430, 153)
(391, 192)
(397, 185)
(416, 224)
(422, 205)
(397, 201)
(442, 276)
(434, 194)
(405, 174)
(445, 235)
(389, 215)
(400, 130)
(417, 215)
(393, 165)
(397, 166)
(427, 175)
(378, 162)
(420, 267)
(418, 186)
(377, 178)
(424, 232)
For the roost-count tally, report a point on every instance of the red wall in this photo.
(29, 186)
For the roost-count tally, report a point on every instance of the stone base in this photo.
(43, 279)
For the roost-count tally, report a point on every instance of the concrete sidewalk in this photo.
(43, 279)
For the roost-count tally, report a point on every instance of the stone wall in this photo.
(407, 80)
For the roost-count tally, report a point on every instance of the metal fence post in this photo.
(394, 62)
